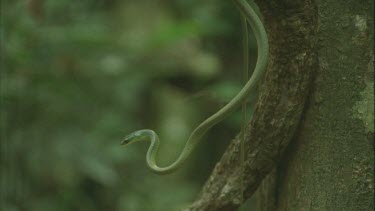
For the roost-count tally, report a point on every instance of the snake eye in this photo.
(127, 139)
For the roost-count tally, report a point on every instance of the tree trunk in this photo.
(329, 164)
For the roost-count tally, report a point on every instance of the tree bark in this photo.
(329, 164)
(291, 27)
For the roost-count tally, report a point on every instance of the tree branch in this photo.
(291, 26)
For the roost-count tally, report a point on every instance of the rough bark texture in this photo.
(330, 163)
(291, 26)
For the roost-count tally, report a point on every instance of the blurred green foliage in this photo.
(77, 76)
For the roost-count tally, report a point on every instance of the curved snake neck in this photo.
(262, 42)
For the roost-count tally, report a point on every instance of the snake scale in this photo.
(149, 135)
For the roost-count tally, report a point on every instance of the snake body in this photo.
(195, 137)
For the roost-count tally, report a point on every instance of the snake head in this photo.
(131, 138)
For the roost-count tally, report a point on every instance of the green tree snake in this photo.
(149, 135)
